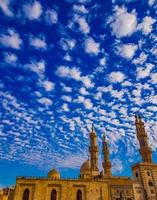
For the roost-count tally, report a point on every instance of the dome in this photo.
(85, 170)
(54, 174)
(85, 166)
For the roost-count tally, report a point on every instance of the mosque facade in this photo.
(95, 185)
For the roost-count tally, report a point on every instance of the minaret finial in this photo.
(136, 117)
(104, 137)
(92, 127)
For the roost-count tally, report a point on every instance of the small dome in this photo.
(85, 166)
(54, 174)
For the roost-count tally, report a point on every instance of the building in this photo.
(95, 185)
(7, 193)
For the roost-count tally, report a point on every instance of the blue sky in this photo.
(66, 64)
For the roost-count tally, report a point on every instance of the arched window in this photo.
(136, 174)
(150, 183)
(148, 173)
(25, 194)
(79, 195)
(54, 195)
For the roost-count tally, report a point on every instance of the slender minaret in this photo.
(145, 150)
(106, 163)
(93, 149)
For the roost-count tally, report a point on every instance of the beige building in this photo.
(7, 193)
(95, 185)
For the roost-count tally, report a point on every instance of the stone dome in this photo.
(85, 170)
(54, 174)
(85, 166)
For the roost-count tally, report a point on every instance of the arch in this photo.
(136, 174)
(53, 194)
(150, 183)
(26, 194)
(79, 195)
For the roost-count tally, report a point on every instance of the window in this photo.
(79, 195)
(148, 173)
(150, 183)
(136, 174)
(54, 195)
(25, 194)
(152, 191)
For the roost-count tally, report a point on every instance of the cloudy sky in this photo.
(66, 64)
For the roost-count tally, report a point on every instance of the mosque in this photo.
(95, 185)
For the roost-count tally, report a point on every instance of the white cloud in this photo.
(45, 101)
(67, 44)
(10, 58)
(67, 98)
(141, 59)
(123, 23)
(127, 84)
(74, 161)
(48, 85)
(91, 46)
(73, 73)
(32, 10)
(67, 72)
(151, 2)
(116, 77)
(83, 25)
(12, 40)
(137, 92)
(102, 61)
(37, 67)
(154, 78)
(80, 9)
(117, 94)
(84, 1)
(5, 6)
(38, 43)
(117, 165)
(146, 25)
(144, 72)
(83, 91)
(86, 102)
(67, 57)
(127, 50)
(66, 88)
(51, 16)
(87, 81)
(65, 107)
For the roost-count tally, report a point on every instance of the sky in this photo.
(68, 64)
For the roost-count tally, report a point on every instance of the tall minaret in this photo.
(106, 163)
(145, 150)
(93, 149)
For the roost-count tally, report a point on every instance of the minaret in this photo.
(93, 149)
(145, 150)
(106, 163)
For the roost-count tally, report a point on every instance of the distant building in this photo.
(95, 185)
(7, 193)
